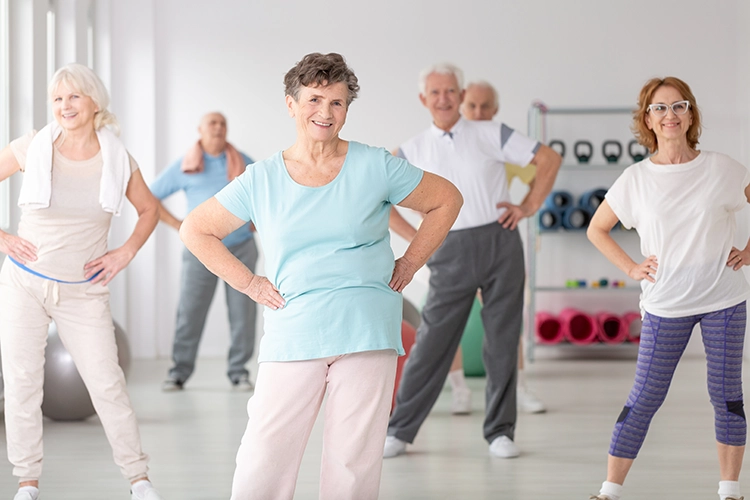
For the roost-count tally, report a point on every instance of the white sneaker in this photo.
(461, 401)
(23, 495)
(147, 492)
(528, 403)
(393, 447)
(504, 447)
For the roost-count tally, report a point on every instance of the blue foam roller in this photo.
(592, 199)
(576, 218)
(559, 200)
(550, 219)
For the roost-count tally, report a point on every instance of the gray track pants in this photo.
(196, 293)
(489, 258)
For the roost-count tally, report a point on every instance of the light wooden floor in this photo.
(192, 437)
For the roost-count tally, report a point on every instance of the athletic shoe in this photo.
(242, 384)
(23, 495)
(504, 447)
(528, 403)
(732, 498)
(172, 385)
(599, 497)
(461, 402)
(148, 492)
(393, 447)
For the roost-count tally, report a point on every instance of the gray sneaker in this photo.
(242, 384)
(172, 385)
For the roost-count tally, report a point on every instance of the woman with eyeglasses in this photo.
(682, 201)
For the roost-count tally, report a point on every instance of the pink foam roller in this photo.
(578, 327)
(548, 328)
(611, 328)
(631, 323)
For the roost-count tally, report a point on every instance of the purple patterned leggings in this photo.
(663, 341)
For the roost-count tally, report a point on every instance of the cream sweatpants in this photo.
(287, 399)
(84, 323)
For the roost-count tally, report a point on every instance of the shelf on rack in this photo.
(586, 289)
(594, 166)
(586, 111)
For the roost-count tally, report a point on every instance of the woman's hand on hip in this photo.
(403, 273)
(738, 258)
(17, 247)
(262, 291)
(646, 270)
(108, 265)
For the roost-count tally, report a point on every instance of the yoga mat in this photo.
(550, 219)
(592, 199)
(610, 328)
(559, 200)
(576, 218)
(408, 337)
(578, 327)
(631, 323)
(548, 328)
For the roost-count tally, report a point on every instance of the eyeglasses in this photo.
(678, 108)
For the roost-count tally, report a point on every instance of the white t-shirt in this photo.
(685, 216)
(472, 156)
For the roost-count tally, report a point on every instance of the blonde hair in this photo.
(645, 136)
(83, 79)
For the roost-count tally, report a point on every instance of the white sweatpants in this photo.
(84, 323)
(287, 399)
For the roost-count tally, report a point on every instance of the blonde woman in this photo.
(77, 174)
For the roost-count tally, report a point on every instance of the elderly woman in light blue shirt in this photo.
(332, 291)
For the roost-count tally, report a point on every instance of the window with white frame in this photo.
(4, 107)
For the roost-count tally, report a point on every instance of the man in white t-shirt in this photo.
(482, 251)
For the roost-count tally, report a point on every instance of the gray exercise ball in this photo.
(65, 395)
(411, 314)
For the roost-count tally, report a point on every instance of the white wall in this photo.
(173, 60)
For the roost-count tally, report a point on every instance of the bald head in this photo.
(213, 131)
(480, 101)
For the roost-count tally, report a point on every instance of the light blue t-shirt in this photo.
(328, 252)
(199, 187)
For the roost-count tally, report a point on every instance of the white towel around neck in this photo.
(36, 188)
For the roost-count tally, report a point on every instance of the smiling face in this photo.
(73, 110)
(670, 127)
(320, 112)
(479, 103)
(442, 97)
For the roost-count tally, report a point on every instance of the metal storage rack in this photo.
(538, 128)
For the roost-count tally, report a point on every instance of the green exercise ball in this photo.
(471, 342)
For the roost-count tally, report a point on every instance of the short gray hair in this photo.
(441, 69)
(321, 69)
(486, 85)
(83, 79)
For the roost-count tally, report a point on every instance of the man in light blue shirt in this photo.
(201, 173)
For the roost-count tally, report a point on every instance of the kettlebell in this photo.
(636, 156)
(560, 149)
(583, 157)
(612, 157)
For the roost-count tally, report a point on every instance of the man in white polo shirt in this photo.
(482, 251)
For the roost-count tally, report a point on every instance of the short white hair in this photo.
(441, 69)
(486, 85)
(82, 79)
